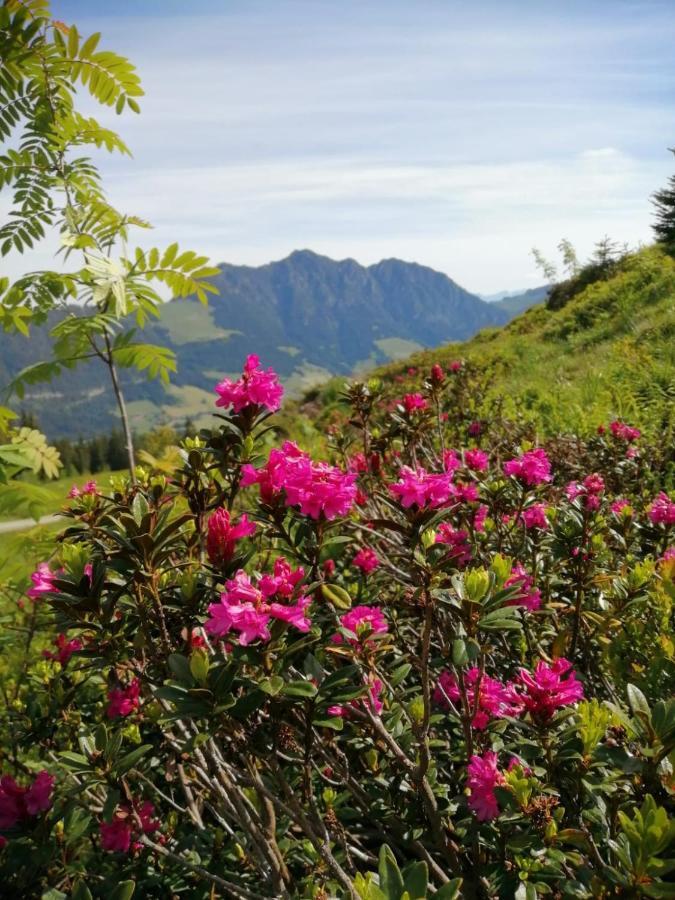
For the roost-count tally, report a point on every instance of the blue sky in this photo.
(455, 134)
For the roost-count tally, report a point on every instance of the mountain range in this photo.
(308, 316)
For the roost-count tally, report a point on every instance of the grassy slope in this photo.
(609, 353)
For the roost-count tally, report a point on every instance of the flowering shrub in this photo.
(438, 663)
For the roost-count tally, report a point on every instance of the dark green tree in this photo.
(664, 201)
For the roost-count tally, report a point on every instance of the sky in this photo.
(454, 134)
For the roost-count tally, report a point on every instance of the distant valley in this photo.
(307, 315)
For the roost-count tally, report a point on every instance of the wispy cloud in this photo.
(451, 133)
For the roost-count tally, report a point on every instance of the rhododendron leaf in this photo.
(180, 667)
(334, 722)
(391, 881)
(450, 890)
(80, 891)
(416, 879)
(272, 685)
(501, 620)
(123, 891)
(337, 595)
(300, 689)
(399, 674)
(129, 761)
(663, 721)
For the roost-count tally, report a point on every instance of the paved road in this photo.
(24, 524)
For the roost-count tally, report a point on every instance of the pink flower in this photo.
(662, 510)
(241, 608)
(65, 649)
(284, 580)
(487, 698)
(329, 568)
(618, 505)
(535, 516)
(366, 560)
(357, 463)
(483, 778)
(116, 835)
(255, 388)
(477, 460)
(457, 541)
(624, 432)
(129, 821)
(43, 581)
(223, 535)
(451, 462)
(420, 488)
(456, 365)
(474, 429)
(532, 468)
(123, 701)
(414, 402)
(294, 615)
(318, 488)
(437, 374)
(549, 688)
(479, 518)
(20, 803)
(362, 622)
(528, 596)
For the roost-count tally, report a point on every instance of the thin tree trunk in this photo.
(119, 396)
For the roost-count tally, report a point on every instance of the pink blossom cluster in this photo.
(64, 649)
(483, 777)
(247, 609)
(122, 701)
(223, 533)
(362, 622)
(20, 803)
(624, 432)
(414, 403)
(128, 824)
(437, 374)
(478, 460)
(662, 510)
(256, 387)
(458, 542)
(549, 688)
(532, 468)
(617, 506)
(590, 489)
(487, 697)
(417, 487)
(528, 596)
(318, 488)
(367, 560)
(534, 516)
(43, 581)
(90, 487)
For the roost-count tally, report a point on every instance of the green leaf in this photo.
(416, 879)
(449, 891)
(80, 891)
(638, 703)
(129, 761)
(272, 685)
(336, 595)
(180, 667)
(391, 880)
(300, 689)
(123, 891)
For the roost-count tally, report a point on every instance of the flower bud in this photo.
(199, 664)
(476, 584)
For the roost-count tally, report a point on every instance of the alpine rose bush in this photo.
(432, 658)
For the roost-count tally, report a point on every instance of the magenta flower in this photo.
(549, 688)
(64, 649)
(43, 581)
(375, 688)
(116, 835)
(618, 505)
(129, 821)
(479, 518)
(366, 560)
(478, 460)
(319, 489)
(456, 365)
(532, 468)
(487, 697)
(123, 701)
(662, 510)
(362, 621)
(535, 516)
(20, 803)
(414, 402)
(624, 432)
(528, 596)
(457, 541)
(223, 534)
(437, 374)
(474, 429)
(483, 778)
(294, 615)
(422, 489)
(451, 462)
(284, 580)
(255, 388)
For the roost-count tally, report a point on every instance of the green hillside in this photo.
(609, 352)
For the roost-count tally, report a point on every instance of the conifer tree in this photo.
(664, 201)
